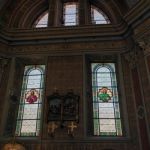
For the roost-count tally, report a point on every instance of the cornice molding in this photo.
(69, 48)
(61, 34)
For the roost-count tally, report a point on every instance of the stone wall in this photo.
(66, 72)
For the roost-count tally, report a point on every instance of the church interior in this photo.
(74, 74)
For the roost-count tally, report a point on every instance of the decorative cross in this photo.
(72, 126)
(51, 127)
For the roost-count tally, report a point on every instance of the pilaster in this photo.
(8, 94)
(52, 13)
(84, 12)
(3, 63)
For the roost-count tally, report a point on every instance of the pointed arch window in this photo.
(70, 14)
(98, 17)
(29, 114)
(106, 111)
(42, 21)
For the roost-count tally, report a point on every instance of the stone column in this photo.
(59, 13)
(144, 69)
(84, 12)
(52, 13)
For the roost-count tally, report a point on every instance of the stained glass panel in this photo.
(70, 14)
(98, 17)
(29, 114)
(106, 112)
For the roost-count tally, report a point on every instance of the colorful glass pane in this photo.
(98, 17)
(70, 14)
(29, 114)
(106, 112)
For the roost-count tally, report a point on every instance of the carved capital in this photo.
(145, 44)
(133, 56)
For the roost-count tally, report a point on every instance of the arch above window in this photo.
(42, 21)
(98, 17)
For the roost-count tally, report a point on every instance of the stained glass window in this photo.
(29, 114)
(106, 112)
(70, 14)
(42, 21)
(98, 17)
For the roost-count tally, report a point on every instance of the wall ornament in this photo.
(63, 112)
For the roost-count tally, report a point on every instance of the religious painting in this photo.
(70, 107)
(54, 107)
(32, 96)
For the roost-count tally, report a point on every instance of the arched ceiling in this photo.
(22, 13)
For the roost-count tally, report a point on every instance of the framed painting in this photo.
(70, 107)
(54, 107)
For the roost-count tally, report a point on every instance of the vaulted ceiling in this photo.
(19, 13)
(17, 17)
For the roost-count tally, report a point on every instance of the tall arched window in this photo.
(29, 114)
(70, 14)
(42, 21)
(106, 112)
(98, 17)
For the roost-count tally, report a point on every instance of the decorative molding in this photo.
(37, 35)
(69, 47)
(140, 112)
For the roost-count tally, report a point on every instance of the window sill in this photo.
(107, 139)
(72, 140)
